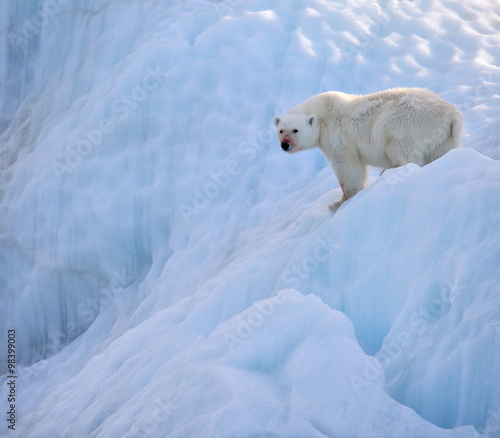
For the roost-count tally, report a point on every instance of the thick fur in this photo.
(387, 129)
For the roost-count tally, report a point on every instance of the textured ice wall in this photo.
(138, 163)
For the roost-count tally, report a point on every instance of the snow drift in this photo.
(170, 272)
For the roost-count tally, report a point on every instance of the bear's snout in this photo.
(285, 146)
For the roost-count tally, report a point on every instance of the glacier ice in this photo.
(170, 272)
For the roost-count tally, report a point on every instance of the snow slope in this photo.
(170, 272)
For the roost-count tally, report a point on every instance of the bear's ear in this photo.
(277, 120)
(312, 120)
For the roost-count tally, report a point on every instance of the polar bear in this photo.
(386, 129)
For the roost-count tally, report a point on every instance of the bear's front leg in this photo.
(335, 205)
(352, 179)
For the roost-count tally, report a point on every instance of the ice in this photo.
(170, 272)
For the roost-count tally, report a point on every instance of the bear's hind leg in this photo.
(402, 151)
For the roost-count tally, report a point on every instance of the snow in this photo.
(170, 272)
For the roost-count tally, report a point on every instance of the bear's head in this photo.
(297, 132)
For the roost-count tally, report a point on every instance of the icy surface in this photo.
(171, 273)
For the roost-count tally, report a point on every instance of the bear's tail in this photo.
(453, 139)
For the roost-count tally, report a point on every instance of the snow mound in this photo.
(149, 222)
(288, 366)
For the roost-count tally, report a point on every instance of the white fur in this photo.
(387, 129)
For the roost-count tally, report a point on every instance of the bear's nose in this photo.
(285, 146)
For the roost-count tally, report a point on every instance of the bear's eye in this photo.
(281, 131)
(295, 130)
